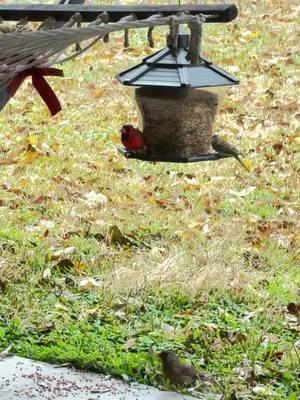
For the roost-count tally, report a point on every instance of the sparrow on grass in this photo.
(175, 370)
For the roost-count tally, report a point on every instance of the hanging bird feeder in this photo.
(178, 93)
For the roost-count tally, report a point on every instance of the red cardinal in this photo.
(132, 138)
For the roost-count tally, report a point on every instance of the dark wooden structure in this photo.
(39, 12)
(180, 93)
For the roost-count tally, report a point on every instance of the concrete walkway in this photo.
(24, 379)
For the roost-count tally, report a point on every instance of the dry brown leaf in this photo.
(2, 286)
(66, 181)
(46, 233)
(56, 255)
(47, 273)
(294, 309)
(129, 344)
(184, 313)
(167, 328)
(93, 198)
(277, 355)
(252, 259)
(259, 390)
(9, 161)
(79, 266)
(98, 92)
(277, 147)
(68, 235)
(120, 314)
(218, 345)
(243, 192)
(12, 190)
(60, 306)
(176, 204)
(40, 199)
(64, 264)
(88, 284)
(45, 328)
(116, 236)
(293, 316)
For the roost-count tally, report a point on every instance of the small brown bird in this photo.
(175, 370)
(225, 148)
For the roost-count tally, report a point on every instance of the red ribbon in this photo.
(40, 84)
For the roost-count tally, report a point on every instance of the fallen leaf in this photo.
(63, 252)
(87, 284)
(79, 266)
(129, 344)
(248, 35)
(277, 355)
(47, 273)
(93, 198)
(65, 264)
(31, 154)
(293, 316)
(259, 390)
(233, 68)
(60, 306)
(98, 92)
(277, 147)
(251, 378)
(218, 345)
(205, 229)
(243, 192)
(46, 233)
(294, 309)
(120, 314)
(270, 338)
(252, 259)
(32, 139)
(45, 328)
(9, 161)
(116, 236)
(47, 223)
(166, 328)
(2, 286)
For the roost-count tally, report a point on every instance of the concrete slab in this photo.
(24, 379)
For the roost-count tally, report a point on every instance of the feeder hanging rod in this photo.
(61, 12)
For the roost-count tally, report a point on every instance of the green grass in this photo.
(200, 258)
(216, 336)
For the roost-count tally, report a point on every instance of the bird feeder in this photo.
(178, 95)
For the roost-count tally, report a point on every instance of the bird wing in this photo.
(221, 146)
(188, 371)
(229, 149)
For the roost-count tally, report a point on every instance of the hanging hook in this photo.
(172, 39)
(195, 39)
(129, 18)
(151, 28)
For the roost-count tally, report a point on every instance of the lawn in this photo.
(105, 261)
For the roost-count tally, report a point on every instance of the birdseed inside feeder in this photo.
(178, 101)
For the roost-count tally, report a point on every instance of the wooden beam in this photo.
(39, 12)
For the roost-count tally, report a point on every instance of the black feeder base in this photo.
(143, 157)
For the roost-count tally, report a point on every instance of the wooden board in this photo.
(39, 12)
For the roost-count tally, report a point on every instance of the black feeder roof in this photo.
(166, 69)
